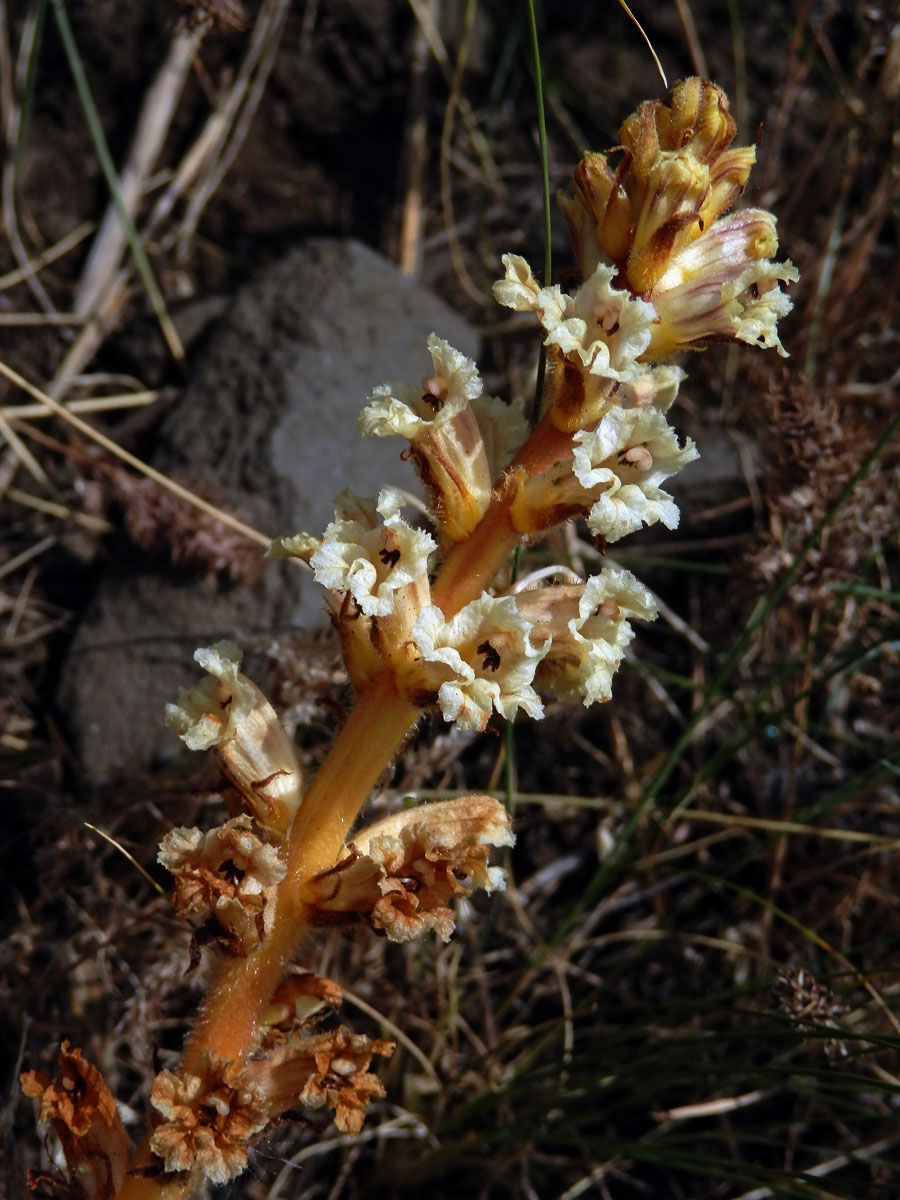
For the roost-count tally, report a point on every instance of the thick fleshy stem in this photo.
(471, 566)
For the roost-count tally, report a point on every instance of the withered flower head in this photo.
(228, 874)
(210, 1118)
(402, 872)
(324, 1070)
(83, 1113)
(228, 714)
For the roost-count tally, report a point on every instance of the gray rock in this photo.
(268, 422)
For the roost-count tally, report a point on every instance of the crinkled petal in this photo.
(621, 464)
(372, 560)
(487, 651)
(408, 411)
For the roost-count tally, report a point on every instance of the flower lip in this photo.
(368, 560)
(398, 408)
(480, 661)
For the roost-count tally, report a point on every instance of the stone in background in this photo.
(269, 421)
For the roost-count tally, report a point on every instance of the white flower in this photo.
(586, 629)
(621, 463)
(483, 660)
(447, 421)
(368, 559)
(399, 408)
(723, 287)
(601, 328)
(228, 714)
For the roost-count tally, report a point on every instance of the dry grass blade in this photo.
(155, 118)
(60, 511)
(132, 460)
(90, 404)
(413, 218)
(459, 265)
(235, 112)
(27, 459)
(105, 160)
(28, 41)
(50, 255)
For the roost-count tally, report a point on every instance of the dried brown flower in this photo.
(402, 872)
(83, 1113)
(227, 874)
(327, 1069)
(209, 1120)
(298, 1002)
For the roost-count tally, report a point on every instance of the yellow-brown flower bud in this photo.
(677, 175)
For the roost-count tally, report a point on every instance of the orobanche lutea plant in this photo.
(433, 620)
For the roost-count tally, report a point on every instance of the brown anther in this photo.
(434, 392)
(390, 558)
(231, 872)
(491, 661)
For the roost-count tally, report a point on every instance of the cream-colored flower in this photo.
(612, 477)
(228, 714)
(586, 626)
(723, 287)
(480, 661)
(226, 874)
(402, 873)
(602, 331)
(621, 464)
(371, 559)
(400, 408)
(442, 425)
